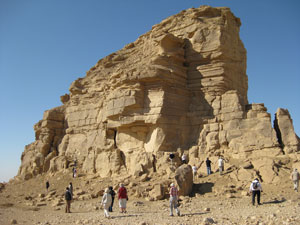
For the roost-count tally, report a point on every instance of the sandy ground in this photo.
(24, 202)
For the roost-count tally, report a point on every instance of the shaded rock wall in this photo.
(180, 87)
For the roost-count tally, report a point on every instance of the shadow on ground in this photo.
(274, 201)
(202, 188)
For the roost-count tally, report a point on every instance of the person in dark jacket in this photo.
(113, 193)
(68, 198)
(71, 189)
(208, 166)
(47, 185)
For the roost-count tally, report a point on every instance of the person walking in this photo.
(47, 185)
(255, 189)
(295, 178)
(221, 165)
(106, 202)
(68, 198)
(208, 166)
(112, 193)
(174, 199)
(123, 198)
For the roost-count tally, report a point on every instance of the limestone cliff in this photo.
(180, 87)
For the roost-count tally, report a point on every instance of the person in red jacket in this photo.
(123, 198)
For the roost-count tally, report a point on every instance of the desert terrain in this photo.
(215, 200)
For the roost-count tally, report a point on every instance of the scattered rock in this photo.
(208, 220)
(13, 221)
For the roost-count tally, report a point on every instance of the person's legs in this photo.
(112, 204)
(171, 205)
(296, 185)
(68, 206)
(220, 170)
(253, 197)
(106, 214)
(258, 197)
(176, 207)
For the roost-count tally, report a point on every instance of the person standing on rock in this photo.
(295, 177)
(68, 198)
(47, 185)
(123, 198)
(112, 193)
(221, 165)
(208, 166)
(194, 168)
(74, 172)
(255, 189)
(174, 199)
(106, 202)
(183, 158)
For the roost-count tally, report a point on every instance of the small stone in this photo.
(207, 209)
(253, 217)
(208, 220)
(13, 221)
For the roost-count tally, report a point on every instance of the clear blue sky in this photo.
(45, 45)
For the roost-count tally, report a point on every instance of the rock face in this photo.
(180, 87)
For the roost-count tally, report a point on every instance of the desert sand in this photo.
(215, 200)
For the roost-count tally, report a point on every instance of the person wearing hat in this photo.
(173, 199)
(106, 202)
(295, 177)
(255, 189)
(123, 198)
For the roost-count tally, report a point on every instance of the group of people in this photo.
(107, 201)
(221, 162)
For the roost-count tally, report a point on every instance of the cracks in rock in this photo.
(278, 133)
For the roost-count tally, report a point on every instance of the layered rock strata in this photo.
(181, 87)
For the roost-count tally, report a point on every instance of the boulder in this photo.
(184, 179)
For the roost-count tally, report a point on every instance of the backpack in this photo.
(255, 185)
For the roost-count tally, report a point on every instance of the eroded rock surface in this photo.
(181, 87)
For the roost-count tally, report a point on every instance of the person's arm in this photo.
(250, 189)
(103, 198)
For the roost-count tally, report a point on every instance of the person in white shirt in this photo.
(194, 168)
(255, 189)
(295, 177)
(106, 202)
(221, 165)
(183, 158)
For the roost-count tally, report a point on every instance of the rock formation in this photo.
(181, 87)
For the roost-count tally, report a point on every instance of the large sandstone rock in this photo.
(181, 87)
(184, 179)
(285, 131)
